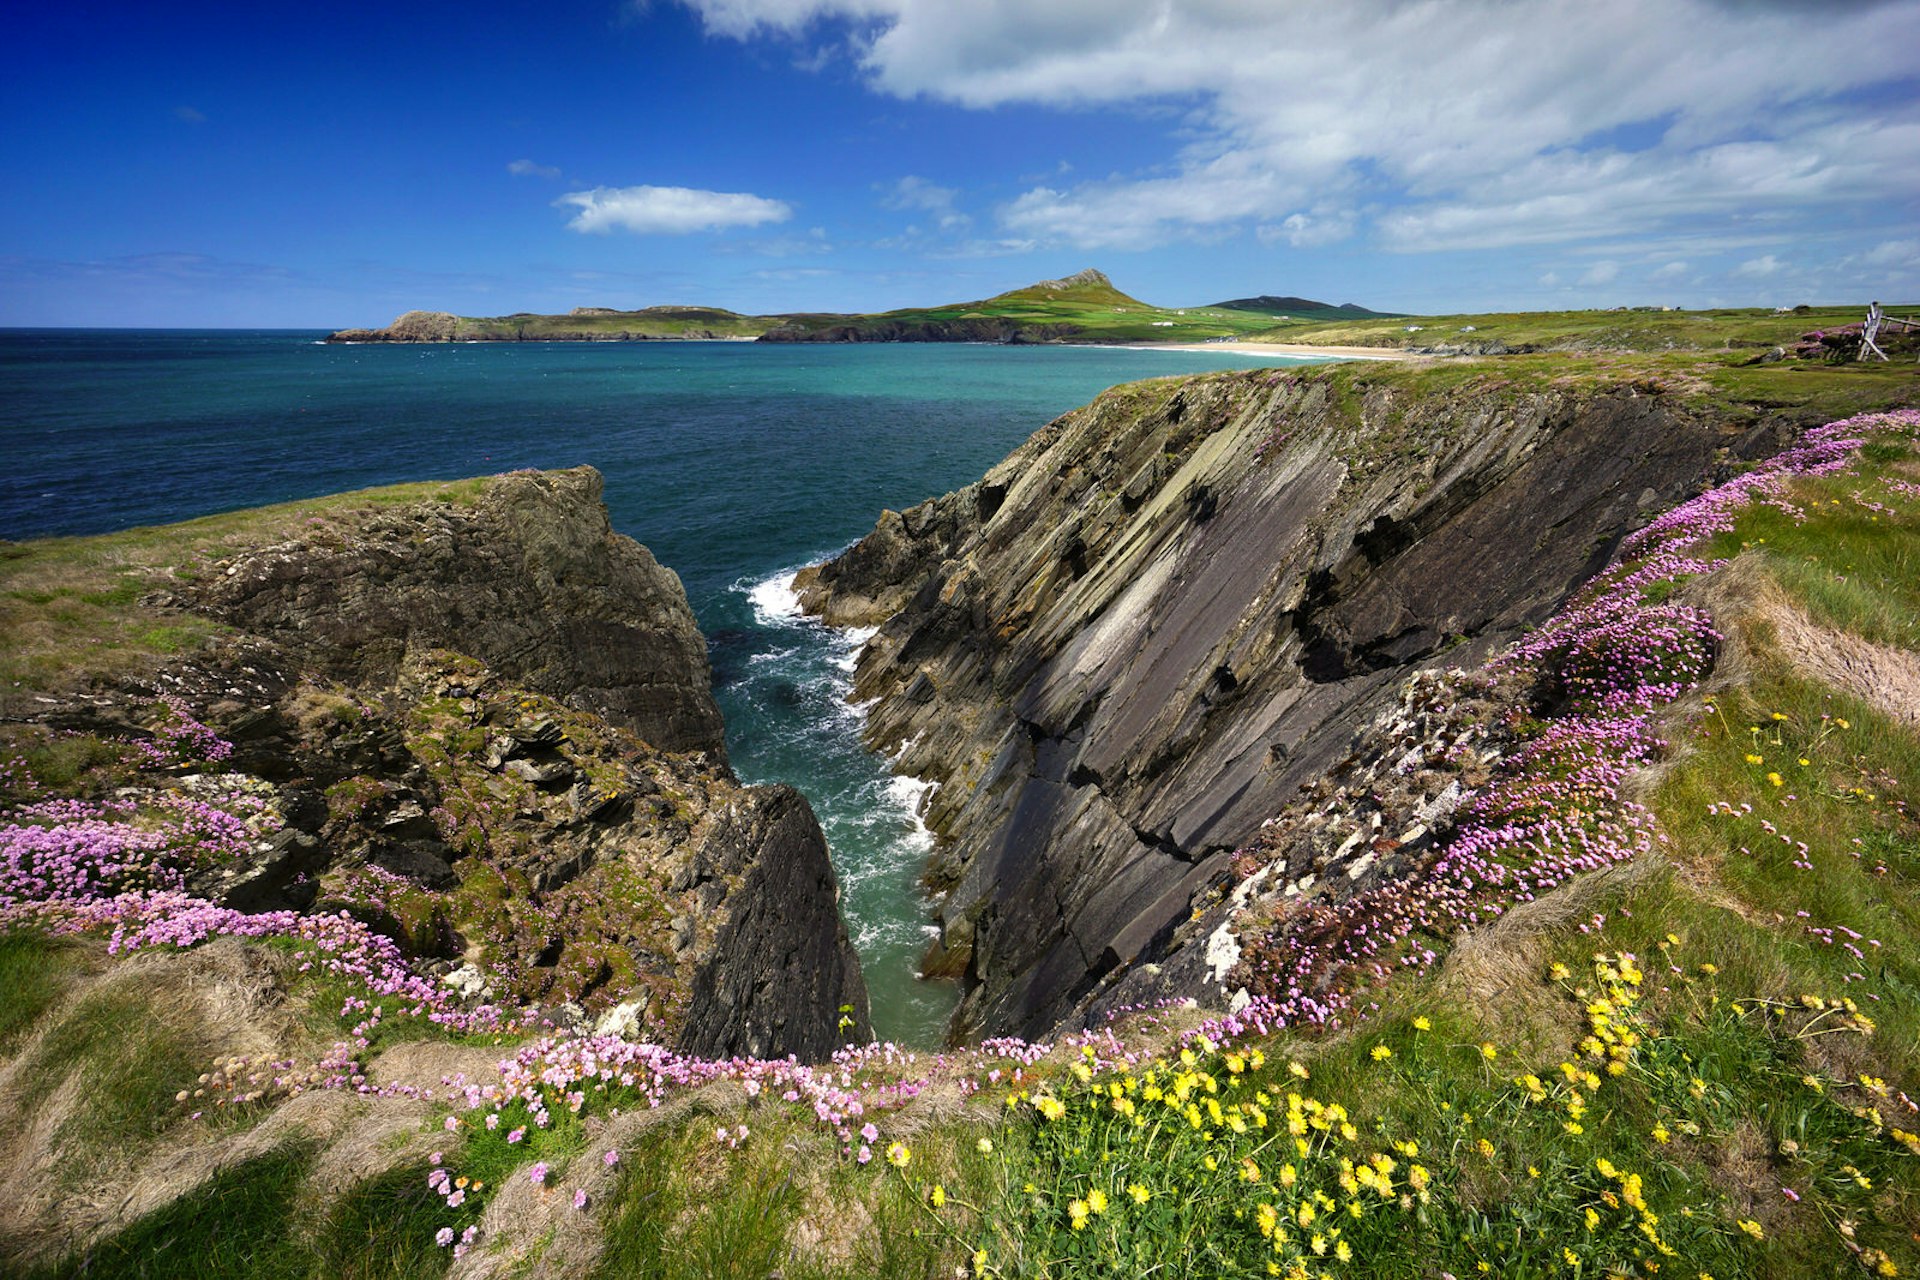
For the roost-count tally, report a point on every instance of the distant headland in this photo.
(1084, 307)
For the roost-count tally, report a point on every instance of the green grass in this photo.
(254, 1221)
(383, 1230)
(237, 1226)
(70, 609)
(34, 971)
(125, 1065)
(1743, 329)
(688, 1208)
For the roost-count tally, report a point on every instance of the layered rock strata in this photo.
(1137, 638)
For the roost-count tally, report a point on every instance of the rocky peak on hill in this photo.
(1078, 279)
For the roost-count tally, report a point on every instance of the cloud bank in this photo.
(668, 210)
(1476, 124)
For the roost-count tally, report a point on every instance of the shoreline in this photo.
(1282, 349)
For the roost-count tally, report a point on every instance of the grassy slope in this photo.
(1726, 329)
(1724, 1106)
(70, 607)
(659, 322)
(1101, 313)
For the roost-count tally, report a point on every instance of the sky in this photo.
(284, 166)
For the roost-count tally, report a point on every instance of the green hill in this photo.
(1288, 307)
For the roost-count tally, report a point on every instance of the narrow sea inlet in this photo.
(735, 463)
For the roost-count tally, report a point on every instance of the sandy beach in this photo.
(1284, 349)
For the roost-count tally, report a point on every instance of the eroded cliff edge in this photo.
(1139, 636)
(475, 718)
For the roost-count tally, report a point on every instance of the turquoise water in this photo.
(735, 462)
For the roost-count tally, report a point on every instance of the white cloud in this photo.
(528, 169)
(189, 115)
(669, 210)
(1759, 268)
(1670, 271)
(1304, 232)
(1894, 253)
(916, 194)
(1471, 124)
(744, 18)
(1602, 272)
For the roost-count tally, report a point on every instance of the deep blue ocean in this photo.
(736, 463)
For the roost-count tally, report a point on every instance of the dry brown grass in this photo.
(58, 1192)
(1743, 594)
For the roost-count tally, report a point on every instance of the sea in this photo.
(736, 463)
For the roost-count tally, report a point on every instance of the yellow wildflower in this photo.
(937, 1196)
(1097, 1200)
(1422, 1023)
(1380, 1053)
(1139, 1193)
(1489, 1051)
(899, 1155)
(1752, 1228)
(1077, 1213)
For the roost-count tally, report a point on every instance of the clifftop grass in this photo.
(71, 607)
(1640, 329)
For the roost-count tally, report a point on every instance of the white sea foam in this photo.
(912, 796)
(774, 601)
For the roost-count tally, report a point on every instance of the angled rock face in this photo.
(531, 580)
(779, 973)
(1138, 636)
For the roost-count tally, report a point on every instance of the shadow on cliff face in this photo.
(1143, 632)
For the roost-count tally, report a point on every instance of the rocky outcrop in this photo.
(778, 977)
(481, 724)
(530, 579)
(582, 324)
(413, 326)
(1134, 640)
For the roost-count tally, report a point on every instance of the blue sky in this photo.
(273, 166)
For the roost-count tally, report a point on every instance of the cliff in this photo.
(582, 324)
(478, 721)
(1133, 641)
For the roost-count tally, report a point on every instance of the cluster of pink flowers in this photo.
(1606, 663)
(180, 739)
